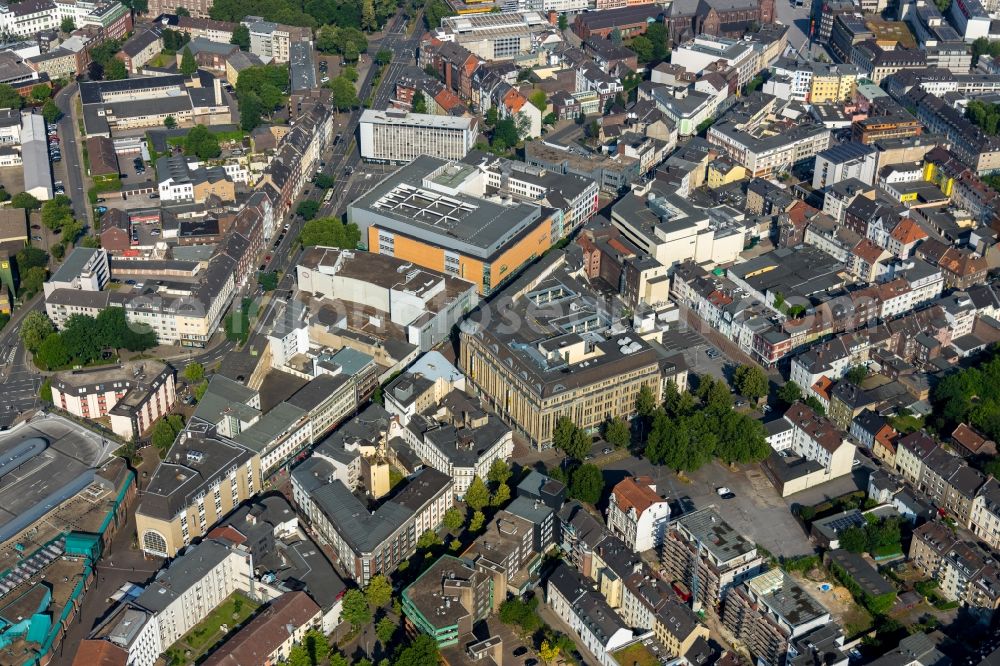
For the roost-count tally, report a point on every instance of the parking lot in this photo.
(756, 510)
(695, 349)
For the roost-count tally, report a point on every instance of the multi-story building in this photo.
(569, 363)
(204, 476)
(714, 17)
(197, 8)
(705, 554)
(272, 42)
(985, 514)
(85, 269)
(447, 599)
(971, 144)
(637, 514)
(368, 543)
(844, 161)
(398, 137)
(195, 584)
(764, 150)
(216, 31)
(140, 48)
(824, 451)
(421, 214)
(601, 629)
(22, 19)
(964, 570)
(133, 395)
(495, 36)
(696, 54)
(424, 303)
(132, 630)
(269, 637)
(454, 435)
(769, 612)
(189, 182)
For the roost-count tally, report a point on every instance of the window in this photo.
(153, 542)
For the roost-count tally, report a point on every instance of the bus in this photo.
(328, 196)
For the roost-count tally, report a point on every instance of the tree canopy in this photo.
(330, 232)
(570, 439)
(241, 37)
(10, 98)
(202, 143)
(84, 338)
(354, 609)
(343, 96)
(260, 91)
(750, 381)
(972, 396)
(586, 484)
(618, 432)
(477, 496)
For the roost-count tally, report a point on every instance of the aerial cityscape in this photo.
(500, 332)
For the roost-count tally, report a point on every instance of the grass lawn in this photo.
(232, 612)
(637, 655)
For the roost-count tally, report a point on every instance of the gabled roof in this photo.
(628, 494)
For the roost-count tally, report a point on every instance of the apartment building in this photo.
(973, 146)
(570, 364)
(447, 599)
(767, 149)
(843, 162)
(964, 570)
(368, 543)
(194, 584)
(454, 435)
(637, 514)
(985, 514)
(204, 476)
(601, 629)
(397, 137)
(140, 48)
(810, 450)
(769, 612)
(272, 42)
(420, 214)
(85, 269)
(133, 395)
(270, 636)
(694, 55)
(705, 554)
(129, 629)
(190, 182)
(950, 482)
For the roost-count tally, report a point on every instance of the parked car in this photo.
(36, 226)
(36, 238)
(154, 232)
(130, 282)
(101, 210)
(262, 267)
(520, 652)
(100, 200)
(606, 450)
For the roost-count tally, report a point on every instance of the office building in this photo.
(420, 215)
(398, 137)
(572, 362)
(495, 36)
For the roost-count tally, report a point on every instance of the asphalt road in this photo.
(72, 162)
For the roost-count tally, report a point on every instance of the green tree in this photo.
(643, 48)
(538, 99)
(323, 181)
(241, 37)
(501, 495)
(26, 201)
(570, 439)
(35, 328)
(453, 519)
(383, 57)
(506, 131)
(422, 651)
(51, 112)
(789, 393)
(384, 629)
(477, 521)
(419, 102)
(52, 353)
(330, 232)
(428, 539)
(586, 484)
(45, 390)
(645, 401)
(350, 73)
(618, 432)
(355, 610)
(40, 93)
(182, 11)
(170, 122)
(115, 70)
(434, 11)
(10, 98)
(307, 208)
(32, 280)
(563, 22)
(199, 391)
(202, 143)
(194, 372)
(163, 436)
(299, 656)
(657, 35)
(368, 20)
(499, 472)
(477, 495)
(67, 25)
(750, 381)
(344, 96)
(814, 404)
(379, 591)
(853, 539)
(857, 374)
(317, 646)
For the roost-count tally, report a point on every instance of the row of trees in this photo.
(31, 265)
(365, 14)
(345, 41)
(985, 115)
(83, 338)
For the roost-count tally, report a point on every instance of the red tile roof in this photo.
(99, 653)
(631, 495)
(255, 642)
